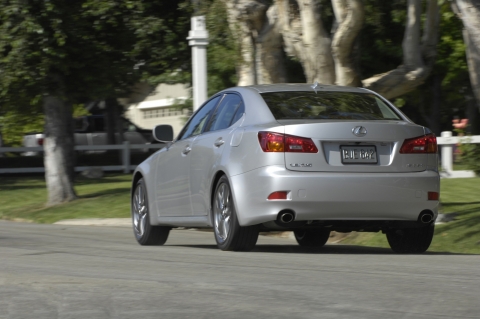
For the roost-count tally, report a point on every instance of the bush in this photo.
(470, 154)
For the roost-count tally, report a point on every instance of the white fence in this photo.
(126, 149)
(446, 143)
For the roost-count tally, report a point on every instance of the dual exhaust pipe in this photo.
(288, 216)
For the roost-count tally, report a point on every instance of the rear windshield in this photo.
(328, 105)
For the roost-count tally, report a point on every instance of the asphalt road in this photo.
(56, 271)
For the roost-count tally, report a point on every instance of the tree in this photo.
(268, 31)
(469, 13)
(58, 53)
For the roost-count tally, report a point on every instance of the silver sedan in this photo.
(291, 157)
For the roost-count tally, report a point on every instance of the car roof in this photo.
(264, 88)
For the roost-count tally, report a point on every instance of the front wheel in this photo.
(145, 234)
(229, 235)
(411, 240)
(311, 237)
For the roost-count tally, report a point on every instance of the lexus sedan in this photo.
(291, 157)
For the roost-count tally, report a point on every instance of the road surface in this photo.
(56, 271)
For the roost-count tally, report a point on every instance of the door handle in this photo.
(219, 142)
(186, 150)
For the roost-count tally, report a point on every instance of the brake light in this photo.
(422, 144)
(40, 141)
(277, 142)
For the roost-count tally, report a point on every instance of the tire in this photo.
(145, 234)
(311, 237)
(229, 235)
(411, 240)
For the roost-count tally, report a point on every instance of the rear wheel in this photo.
(311, 237)
(411, 240)
(229, 235)
(145, 233)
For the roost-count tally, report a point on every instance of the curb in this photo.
(113, 222)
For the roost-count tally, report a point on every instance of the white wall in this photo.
(156, 108)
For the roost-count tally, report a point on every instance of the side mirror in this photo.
(163, 133)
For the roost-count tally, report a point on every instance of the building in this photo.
(158, 107)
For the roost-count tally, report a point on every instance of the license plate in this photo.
(358, 154)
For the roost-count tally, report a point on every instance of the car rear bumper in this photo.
(333, 196)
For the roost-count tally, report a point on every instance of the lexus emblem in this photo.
(359, 131)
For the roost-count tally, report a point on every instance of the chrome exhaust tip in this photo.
(286, 217)
(425, 217)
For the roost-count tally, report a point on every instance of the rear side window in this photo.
(328, 105)
(197, 122)
(223, 116)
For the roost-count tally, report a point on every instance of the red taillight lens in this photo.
(433, 196)
(271, 142)
(277, 142)
(40, 141)
(278, 195)
(300, 144)
(422, 144)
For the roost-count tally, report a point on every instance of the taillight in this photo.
(422, 144)
(40, 141)
(277, 142)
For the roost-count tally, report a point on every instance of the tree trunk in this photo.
(473, 116)
(247, 19)
(469, 12)
(435, 116)
(1, 144)
(297, 25)
(305, 38)
(349, 17)
(58, 144)
(110, 121)
(418, 53)
(270, 64)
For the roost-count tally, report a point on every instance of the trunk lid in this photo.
(375, 147)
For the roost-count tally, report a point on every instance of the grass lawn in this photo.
(23, 198)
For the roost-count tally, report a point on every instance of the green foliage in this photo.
(83, 51)
(88, 50)
(448, 87)
(470, 155)
(15, 125)
(381, 37)
(222, 51)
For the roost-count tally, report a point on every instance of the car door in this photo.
(207, 150)
(172, 188)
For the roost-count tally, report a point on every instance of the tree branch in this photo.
(415, 68)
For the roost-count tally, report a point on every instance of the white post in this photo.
(198, 40)
(126, 157)
(447, 154)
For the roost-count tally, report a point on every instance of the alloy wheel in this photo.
(223, 212)
(139, 211)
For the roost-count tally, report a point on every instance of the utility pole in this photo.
(198, 40)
